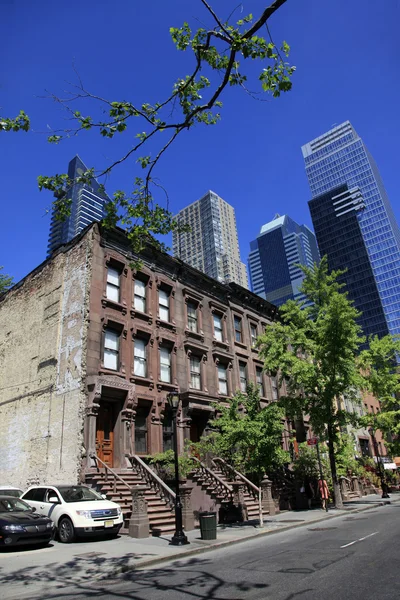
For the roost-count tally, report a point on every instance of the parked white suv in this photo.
(76, 510)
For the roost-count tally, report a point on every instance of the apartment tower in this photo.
(212, 244)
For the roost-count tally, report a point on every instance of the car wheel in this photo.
(66, 531)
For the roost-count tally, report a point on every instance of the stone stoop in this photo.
(250, 502)
(161, 516)
(211, 489)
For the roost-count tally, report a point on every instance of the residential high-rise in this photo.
(355, 225)
(212, 244)
(87, 206)
(274, 258)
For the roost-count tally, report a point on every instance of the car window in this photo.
(13, 505)
(78, 493)
(35, 494)
(29, 495)
(15, 493)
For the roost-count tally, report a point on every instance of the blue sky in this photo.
(347, 56)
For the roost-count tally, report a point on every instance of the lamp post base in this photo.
(179, 539)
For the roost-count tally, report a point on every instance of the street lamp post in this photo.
(179, 538)
(381, 468)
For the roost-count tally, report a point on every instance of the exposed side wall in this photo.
(43, 324)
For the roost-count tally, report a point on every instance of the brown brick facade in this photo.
(185, 329)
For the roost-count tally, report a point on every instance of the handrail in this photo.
(113, 473)
(221, 486)
(154, 480)
(238, 474)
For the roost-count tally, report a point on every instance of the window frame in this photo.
(192, 373)
(192, 319)
(116, 353)
(225, 368)
(167, 306)
(253, 339)
(110, 285)
(220, 317)
(139, 297)
(243, 380)
(169, 350)
(142, 359)
(239, 320)
(260, 382)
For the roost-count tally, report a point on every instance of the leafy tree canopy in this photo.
(248, 435)
(221, 53)
(314, 349)
(382, 378)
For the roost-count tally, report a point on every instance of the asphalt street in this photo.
(347, 558)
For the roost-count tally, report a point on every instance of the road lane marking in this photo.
(360, 539)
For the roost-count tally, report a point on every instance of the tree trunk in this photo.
(336, 487)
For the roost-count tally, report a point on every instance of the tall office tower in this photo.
(355, 225)
(212, 244)
(87, 206)
(274, 258)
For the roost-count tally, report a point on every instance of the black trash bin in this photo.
(208, 525)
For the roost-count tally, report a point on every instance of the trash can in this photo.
(208, 525)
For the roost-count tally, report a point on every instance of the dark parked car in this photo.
(20, 524)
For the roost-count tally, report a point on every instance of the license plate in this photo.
(108, 523)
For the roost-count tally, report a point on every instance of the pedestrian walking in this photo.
(323, 492)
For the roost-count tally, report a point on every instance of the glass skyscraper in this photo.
(274, 257)
(87, 206)
(355, 225)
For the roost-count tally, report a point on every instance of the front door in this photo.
(105, 433)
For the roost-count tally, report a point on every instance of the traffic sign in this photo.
(312, 441)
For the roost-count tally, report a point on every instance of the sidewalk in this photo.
(86, 561)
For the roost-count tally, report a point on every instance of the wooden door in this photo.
(105, 433)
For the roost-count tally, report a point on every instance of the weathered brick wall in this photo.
(43, 325)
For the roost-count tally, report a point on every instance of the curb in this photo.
(219, 545)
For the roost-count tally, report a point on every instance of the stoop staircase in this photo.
(117, 487)
(217, 483)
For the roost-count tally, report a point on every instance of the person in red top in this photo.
(323, 492)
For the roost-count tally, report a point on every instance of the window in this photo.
(140, 296)
(139, 363)
(165, 364)
(195, 375)
(112, 284)
(141, 430)
(222, 380)
(35, 494)
(192, 316)
(238, 328)
(111, 349)
(243, 377)
(274, 386)
(260, 382)
(218, 328)
(168, 432)
(163, 305)
(253, 334)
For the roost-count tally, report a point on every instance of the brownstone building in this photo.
(90, 347)
(163, 327)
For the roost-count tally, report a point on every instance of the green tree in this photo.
(248, 435)
(5, 281)
(221, 52)
(314, 348)
(382, 378)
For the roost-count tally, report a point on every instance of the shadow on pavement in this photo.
(189, 580)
